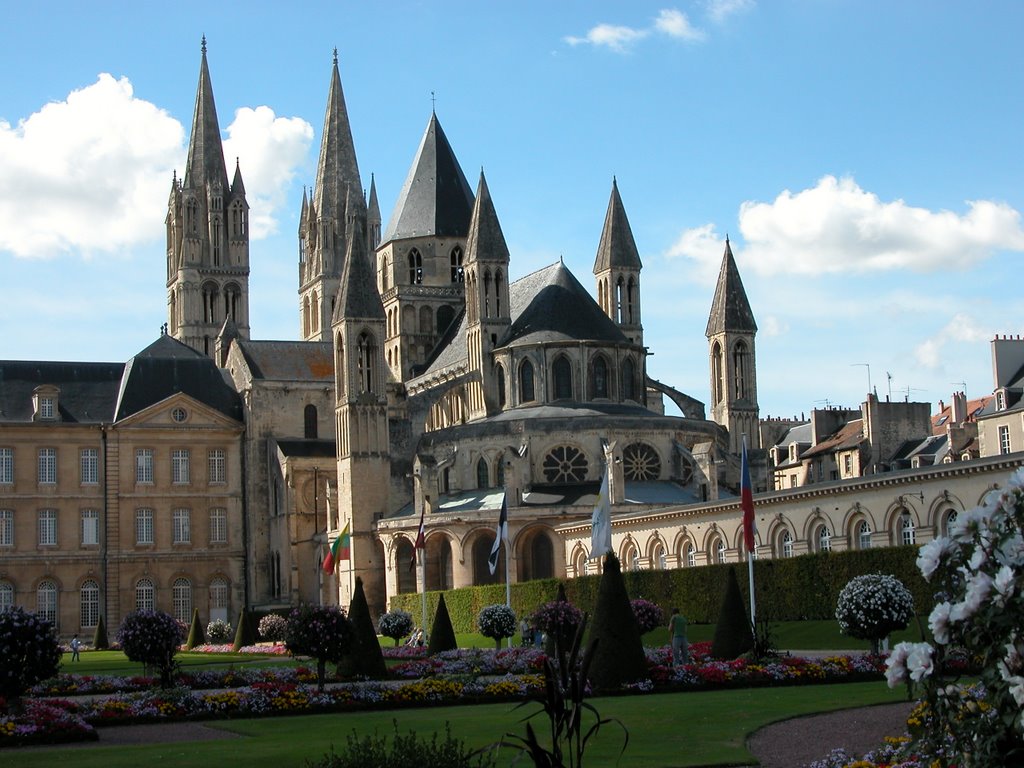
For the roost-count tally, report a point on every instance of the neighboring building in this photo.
(1001, 423)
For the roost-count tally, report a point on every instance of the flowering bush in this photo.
(978, 569)
(395, 624)
(648, 615)
(152, 638)
(559, 618)
(323, 632)
(29, 651)
(496, 622)
(272, 627)
(872, 606)
(219, 631)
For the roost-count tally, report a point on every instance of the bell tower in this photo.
(617, 269)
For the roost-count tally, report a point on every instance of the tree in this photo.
(321, 632)
(152, 638)
(496, 622)
(619, 655)
(31, 652)
(195, 632)
(442, 635)
(99, 637)
(365, 657)
(272, 627)
(733, 633)
(396, 624)
(872, 606)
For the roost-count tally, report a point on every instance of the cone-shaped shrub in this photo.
(244, 635)
(99, 637)
(196, 636)
(619, 656)
(733, 634)
(365, 658)
(442, 635)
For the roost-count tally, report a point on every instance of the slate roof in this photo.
(337, 172)
(617, 247)
(167, 367)
(730, 309)
(436, 199)
(357, 294)
(850, 435)
(312, 449)
(486, 241)
(289, 360)
(205, 152)
(88, 391)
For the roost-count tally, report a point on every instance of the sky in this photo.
(864, 157)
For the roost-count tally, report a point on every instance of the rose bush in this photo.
(648, 615)
(272, 627)
(219, 631)
(152, 638)
(872, 606)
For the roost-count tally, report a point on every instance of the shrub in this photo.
(978, 570)
(497, 622)
(272, 627)
(619, 654)
(322, 632)
(196, 636)
(365, 658)
(559, 619)
(219, 631)
(403, 751)
(31, 652)
(244, 634)
(99, 637)
(396, 624)
(872, 606)
(442, 636)
(648, 615)
(152, 638)
(733, 632)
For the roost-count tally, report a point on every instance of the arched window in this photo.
(458, 275)
(181, 600)
(579, 562)
(541, 562)
(786, 544)
(631, 558)
(619, 291)
(658, 559)
(404, 554)
(426, 320)
(720, 551)
(628, 380)
(487, 293)
(445, 315)
(630, 294)
(499, 374)
(907, 533)
(740, 363)
(309, 422)
(415, 267)
(497, 293)
(481, 553)
(640, 462)
(948, 519)
(824, 539)
(691, 555)
(863, 535)
(145, 595)
(499, 471)
(562, 374)
(717, 373)
(46, 601)
(6, 596)
(219, 599)
(565, 464)
(482, 476)
(526, 393)
(89, 604)
(364, 362)
(599, 380)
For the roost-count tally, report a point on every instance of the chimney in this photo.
(959, 408)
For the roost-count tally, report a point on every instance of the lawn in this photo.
(679, 729)
(115, 663)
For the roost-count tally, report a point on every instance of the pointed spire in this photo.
(617, 247)
(730, 309)
(357, 294)
(436, 199)
(304, 212)
(205, 162)
(486, 240)
(237, 187)
(337, 170)
(373, 207)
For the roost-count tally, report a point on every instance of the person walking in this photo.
(76, 646)
(677, 631)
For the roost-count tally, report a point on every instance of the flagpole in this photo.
(423, 594)
(750, 550)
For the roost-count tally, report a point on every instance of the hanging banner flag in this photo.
(500, 535)
(421, 539)
(601, 523)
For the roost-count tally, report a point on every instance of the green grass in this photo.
(115, 663)
(679, 729)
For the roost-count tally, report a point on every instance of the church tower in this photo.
(617, 269)
(323, 229)
(420, 263)
(361, 413)
(207, 236)
(487, 303)
(731, 330)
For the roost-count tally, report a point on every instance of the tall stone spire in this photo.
(730, 309)
(207, 235)
(373, 216)
(617, 269)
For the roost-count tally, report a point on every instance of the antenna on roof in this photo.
(961, 384)
(868, 366)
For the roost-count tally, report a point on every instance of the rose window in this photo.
(640, 462)
(565, 464)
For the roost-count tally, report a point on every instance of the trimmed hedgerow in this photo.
(797, 588)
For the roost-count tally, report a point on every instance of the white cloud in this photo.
(961, 328)
(703, 245)
(91, 173)
(270, 150)
(675, 24)
(838, 227)
(720, 10)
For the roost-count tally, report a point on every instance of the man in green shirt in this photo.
(677, 631)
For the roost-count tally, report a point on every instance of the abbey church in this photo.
(428, 381)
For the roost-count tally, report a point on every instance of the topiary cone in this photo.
(243, 634)
(99, 637)
(196, 636)
(733, 633)
(442, 635)
(619, 656)
(365, 658)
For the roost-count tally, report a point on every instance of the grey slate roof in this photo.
(486, 241)
(730, 309)
(357, 294)
(205, 151)
(337, 172)
(289, 360)
(617, 247)
(167, 367)
(436, 199)
(88, 391)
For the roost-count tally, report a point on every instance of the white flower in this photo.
(978, 587)
(1004, 584)
(1011, 551)
(931, 555)
(896, 665)
(919, 661)
(939, 621)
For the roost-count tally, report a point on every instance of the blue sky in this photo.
(865, 159)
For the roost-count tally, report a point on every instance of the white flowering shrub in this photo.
(872, 606)
(497, 622)
(395, 624)
(219, 631)
(977, 570)
(272, 627)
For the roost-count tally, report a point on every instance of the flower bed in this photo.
(45, 722)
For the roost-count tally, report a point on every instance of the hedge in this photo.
(797, 588)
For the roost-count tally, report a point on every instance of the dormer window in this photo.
(1000, 400)
(45, 403)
